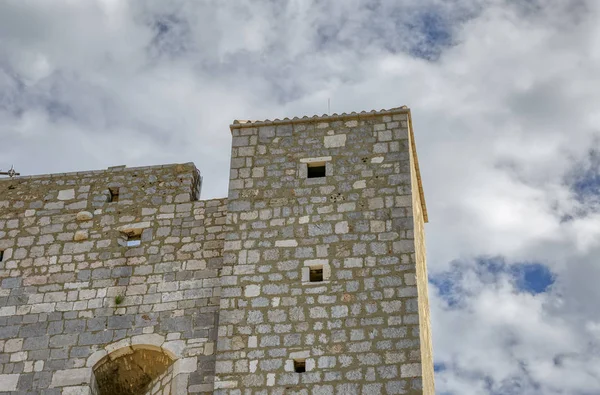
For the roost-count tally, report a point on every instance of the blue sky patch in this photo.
(534, 278)
(585, 177)
(433, 33)
(530, 277)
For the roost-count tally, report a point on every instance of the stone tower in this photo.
(324, 281)
(310, 278)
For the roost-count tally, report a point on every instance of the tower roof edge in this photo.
(239, 123)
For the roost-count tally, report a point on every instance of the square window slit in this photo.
(315, 170)
(299, 365)
(315, 274)
(134, 240)
(114, 194)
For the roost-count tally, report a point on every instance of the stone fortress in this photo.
(309, 278)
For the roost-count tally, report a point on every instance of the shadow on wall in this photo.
(131, 372)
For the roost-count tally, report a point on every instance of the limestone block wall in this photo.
(419, 215)
(162, 384)
(84, 280)
(357, 331)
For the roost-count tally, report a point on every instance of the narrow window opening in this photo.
(134, 240)
(1, 255)
(315, 170)
(114, 194)
(316, 274)
(299, 365)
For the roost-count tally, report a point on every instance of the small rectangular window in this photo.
(1, 255)
(134, 240)
(114, 194)
(316, 274)
(315, 170)
(299, 365)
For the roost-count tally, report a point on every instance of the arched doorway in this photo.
(132, 371)
(145, 364)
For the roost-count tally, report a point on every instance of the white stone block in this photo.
(209, 348)
(300, 355)
(403, 201)
(410, 370)
(252, 341)
(13, 345)
(286, 243)
(8, 310)
(252, 291)
(360, 184)
(176, 347)
(225, 384)
(253, 365)
(81, 235)
(71, 377)
(151, 339)
(353, 262)
(66, 194)
(18, 356)
(79, 390)
(275, 301)
(185, 365)
(117, 345)
(317, 159)
(8, 382)
(326, 362)
(134, 226)
(338, 140)
(341, 227)
(84, 216)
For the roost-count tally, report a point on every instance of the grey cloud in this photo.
(504, 100)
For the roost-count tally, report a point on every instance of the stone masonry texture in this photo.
(309, 278)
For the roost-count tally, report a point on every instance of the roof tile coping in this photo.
(237, 124)
(110, 169)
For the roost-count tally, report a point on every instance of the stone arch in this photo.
(143, 364)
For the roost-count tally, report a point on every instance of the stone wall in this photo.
(421, 271)
(83, 278)
(161, 385)
(311, 274)
(356, 332)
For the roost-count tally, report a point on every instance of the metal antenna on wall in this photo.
(11, 172)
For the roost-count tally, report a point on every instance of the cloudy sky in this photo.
(504, 95)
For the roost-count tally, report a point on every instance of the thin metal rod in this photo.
(11, 172)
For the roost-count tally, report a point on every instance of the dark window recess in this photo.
(1, 255)
(114, 194)
(316, 170)
(134, 240)
(299, 365)
(316, 274)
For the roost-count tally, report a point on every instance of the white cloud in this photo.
(504, 113)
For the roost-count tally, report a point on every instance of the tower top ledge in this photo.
(325, 118)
